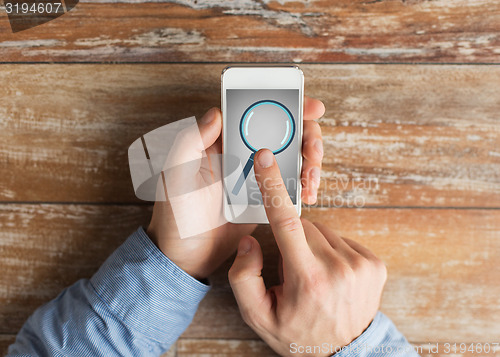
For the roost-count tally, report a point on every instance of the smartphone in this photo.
(262, 107)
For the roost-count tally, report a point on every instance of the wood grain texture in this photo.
(270, 31)
(394, 135)
(433, 292)
(223, 348)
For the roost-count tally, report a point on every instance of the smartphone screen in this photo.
(256, 119)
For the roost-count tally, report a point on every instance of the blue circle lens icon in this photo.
(264, 124)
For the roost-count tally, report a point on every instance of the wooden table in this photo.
(413, 107)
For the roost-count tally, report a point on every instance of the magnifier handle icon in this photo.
(243, 176)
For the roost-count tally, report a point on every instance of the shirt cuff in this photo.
(381, 338)
(147, 291)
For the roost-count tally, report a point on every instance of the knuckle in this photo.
(290, 224)
(360, 263)
(317, 126)
(380, 268)
(314, 282)
(345, 273)
(369, 266)
(313, 126)
(273, 183)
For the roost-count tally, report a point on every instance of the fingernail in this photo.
(318, 146)
(315, 175)
(245, 246)
(266, 159)
(209, 116)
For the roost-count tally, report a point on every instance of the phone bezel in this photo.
(261, 77)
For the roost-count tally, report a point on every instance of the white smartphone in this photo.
(262, 107)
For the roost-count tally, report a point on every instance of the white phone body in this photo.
(279, 84)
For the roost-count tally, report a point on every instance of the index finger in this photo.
(283, 217)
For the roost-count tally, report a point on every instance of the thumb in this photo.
(192, 141)
(210, 127)
(248, 286)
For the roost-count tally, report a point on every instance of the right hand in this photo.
(331, 286)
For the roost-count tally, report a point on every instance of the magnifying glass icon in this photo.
(264, 124)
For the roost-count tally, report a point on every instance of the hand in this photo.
(201, 255)
(331, 286)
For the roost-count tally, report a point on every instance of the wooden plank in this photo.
(394, 135)
(420, 136)
(244, 348)
(273, 31)
(74, 136)
(442, 264)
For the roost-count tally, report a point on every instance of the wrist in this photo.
(179, 255)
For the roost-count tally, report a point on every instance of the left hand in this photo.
(200, 256)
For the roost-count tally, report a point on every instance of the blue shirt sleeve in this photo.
(137, 304)
(380, 339)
